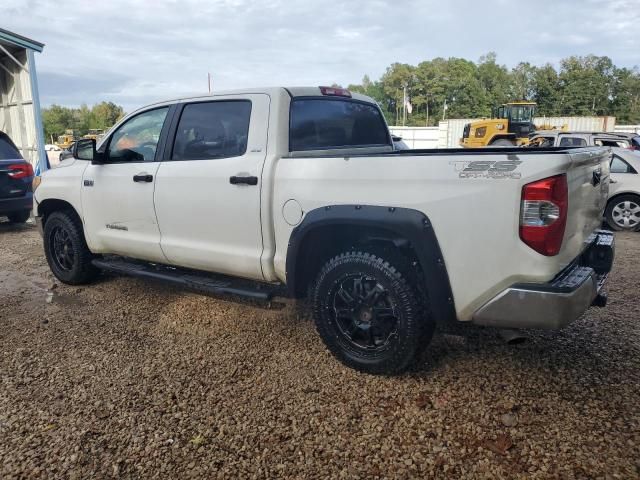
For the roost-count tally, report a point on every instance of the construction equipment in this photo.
(65, 140)
(512, 125)
(94, 133)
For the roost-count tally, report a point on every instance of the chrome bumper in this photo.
(555, 304)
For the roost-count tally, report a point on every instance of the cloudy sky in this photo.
(134, 52)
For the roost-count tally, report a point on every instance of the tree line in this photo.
(56, 119)
(580, 86)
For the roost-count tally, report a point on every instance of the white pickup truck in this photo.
(298, 192)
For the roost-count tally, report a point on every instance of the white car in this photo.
(623, 206)
(299, 192)
(49, 147)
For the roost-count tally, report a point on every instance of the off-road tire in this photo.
(77, 269)
(19, 217)
(413, 327)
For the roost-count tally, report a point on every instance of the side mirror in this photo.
(84, 149)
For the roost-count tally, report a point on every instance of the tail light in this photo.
(335, 92)
(20, 170)
(543, 214)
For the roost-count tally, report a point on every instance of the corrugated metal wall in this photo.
(16, 104)
(627, 128)
(418, 137)
(449, 132)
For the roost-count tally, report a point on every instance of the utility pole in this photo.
(426, 124)
(404, 105)
(209, 81)
(444, 109)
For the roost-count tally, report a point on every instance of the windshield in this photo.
(521, 113)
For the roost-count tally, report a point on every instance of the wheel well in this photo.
(323, 243)
(48, 206)
(622, 194)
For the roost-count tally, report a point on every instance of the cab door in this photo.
(117, 194)
(207, 193)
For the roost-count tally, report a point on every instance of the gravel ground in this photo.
(131, 379)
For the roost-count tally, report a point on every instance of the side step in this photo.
(203, 282)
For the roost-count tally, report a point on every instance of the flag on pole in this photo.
(408, 105)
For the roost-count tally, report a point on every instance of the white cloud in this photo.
(136, 51)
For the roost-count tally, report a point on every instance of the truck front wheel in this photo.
(367, 313)
(66, 249)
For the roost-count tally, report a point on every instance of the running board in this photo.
(203, 282)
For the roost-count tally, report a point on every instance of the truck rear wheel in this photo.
(66, 249)
(367, 313)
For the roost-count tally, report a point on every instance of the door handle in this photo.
(143, 177)
(243, 180)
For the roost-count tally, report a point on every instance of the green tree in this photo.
(546, 90)
(523, 85)
(397, 76)
(495, 82)
(626, 95)
(589, 85)
(56, 120)
(105, 114)
(586, 85)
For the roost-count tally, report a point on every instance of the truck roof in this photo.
(272, 91)
(549, 133)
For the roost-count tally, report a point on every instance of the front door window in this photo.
(136, 140)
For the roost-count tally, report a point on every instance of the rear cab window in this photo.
(572, 142)
(335, 123)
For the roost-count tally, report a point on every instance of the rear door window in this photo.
(573, 142)
(324, 124)
(608, 142)
(211, 130)
(8, 150)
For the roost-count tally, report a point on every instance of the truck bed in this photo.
(475, 215)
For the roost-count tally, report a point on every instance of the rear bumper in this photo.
(9, 205)
(555, 304)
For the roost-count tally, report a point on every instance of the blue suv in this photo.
(16, 177)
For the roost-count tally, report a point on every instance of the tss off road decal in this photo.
(487, 169)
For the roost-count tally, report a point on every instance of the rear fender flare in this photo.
(406, 224)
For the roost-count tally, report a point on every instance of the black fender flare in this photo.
(406, 223)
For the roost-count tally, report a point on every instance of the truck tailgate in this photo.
(588, 185)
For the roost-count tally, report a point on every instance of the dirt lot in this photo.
(132, 379)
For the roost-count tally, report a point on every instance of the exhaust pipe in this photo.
(512, 337)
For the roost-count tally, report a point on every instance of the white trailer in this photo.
(20, 116)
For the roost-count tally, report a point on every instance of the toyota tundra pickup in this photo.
(298, 192)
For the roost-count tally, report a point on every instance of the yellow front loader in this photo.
(65, 140)
(511, 127)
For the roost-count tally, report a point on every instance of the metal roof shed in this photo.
(20, 116)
